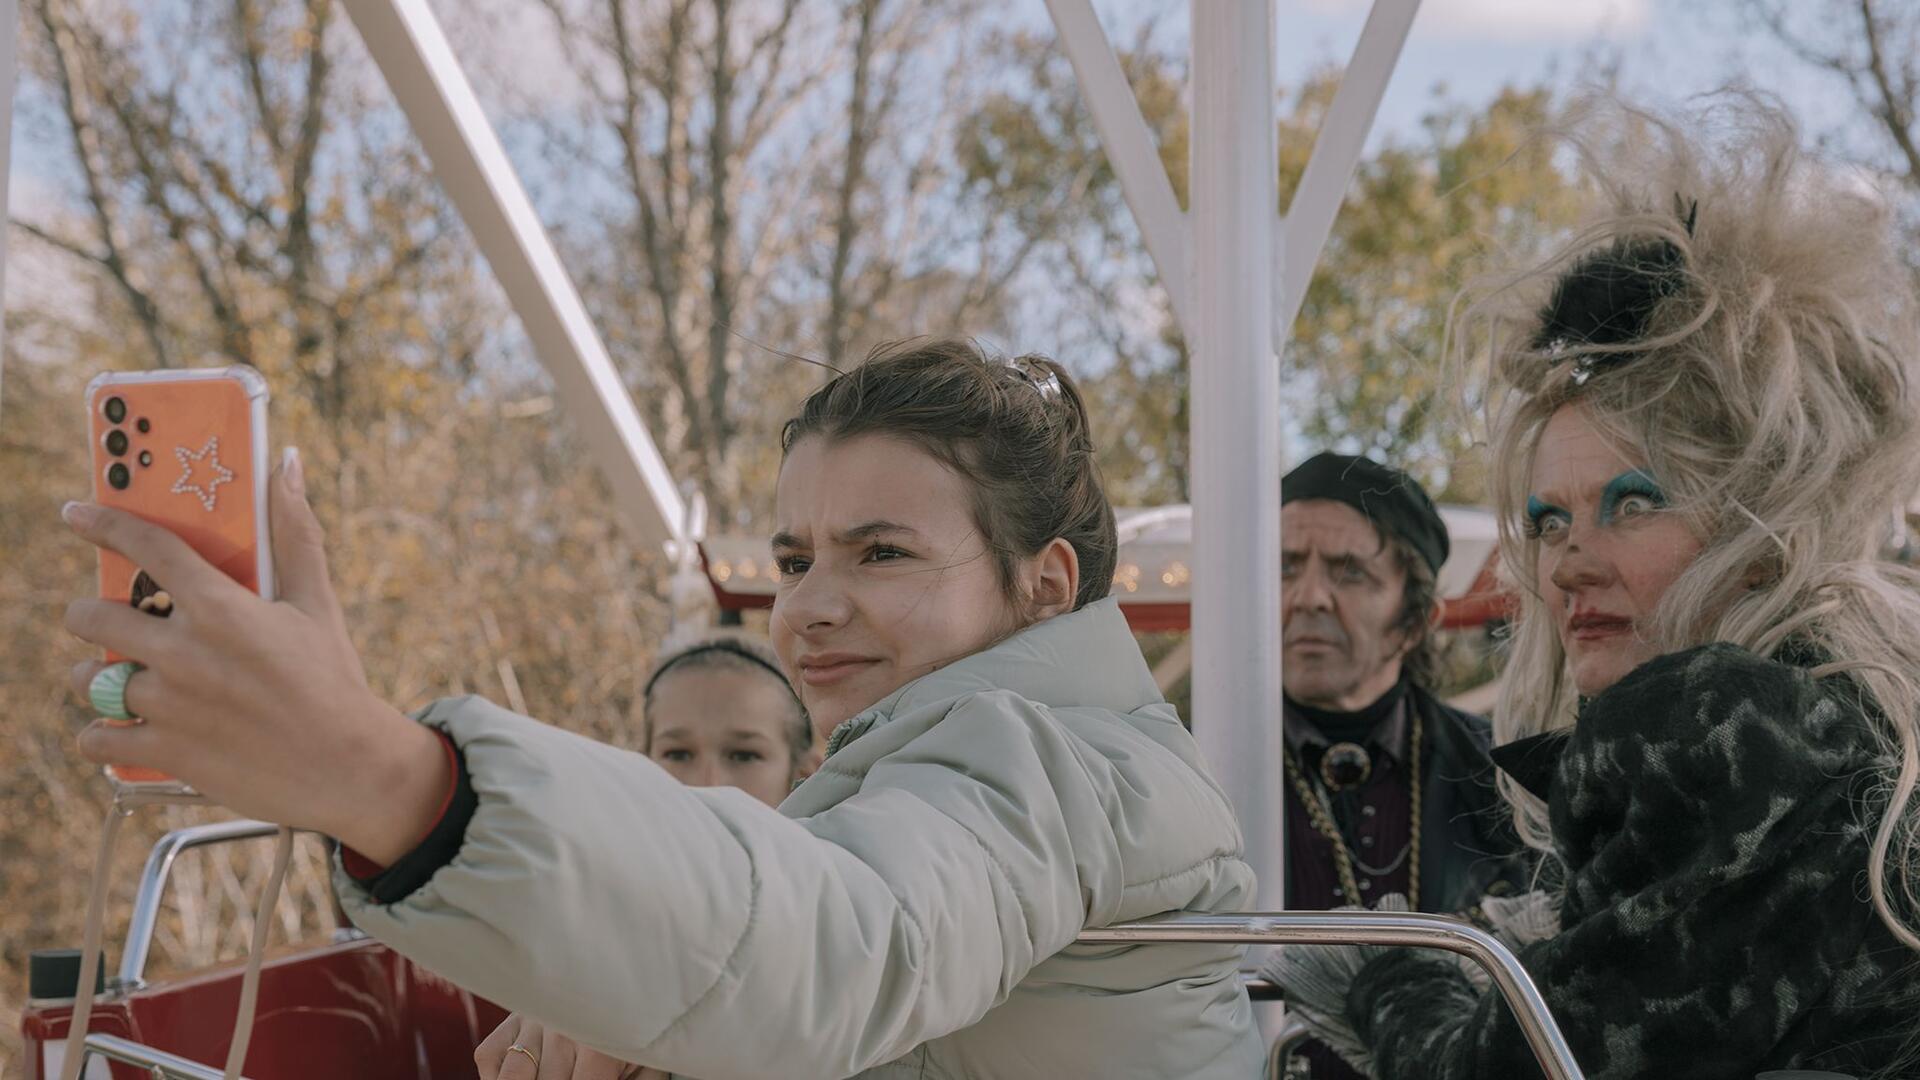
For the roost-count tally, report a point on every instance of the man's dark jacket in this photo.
(1468, 844)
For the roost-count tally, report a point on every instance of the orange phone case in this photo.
(186, 450)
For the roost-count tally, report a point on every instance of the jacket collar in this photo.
(1532, 761)
(1086, 657)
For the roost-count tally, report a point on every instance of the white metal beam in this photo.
(1234, 384)
(413, 54)
(1130, 148)
(1336, 154)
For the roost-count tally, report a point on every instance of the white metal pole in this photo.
(1129, 146)
(1336, 155)
(412, 52)
(1235, 431)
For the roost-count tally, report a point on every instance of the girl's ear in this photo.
(1054, 579)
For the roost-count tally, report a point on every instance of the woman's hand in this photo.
(544, 1054)
(263, 707)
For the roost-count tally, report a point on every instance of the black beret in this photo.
(1394, 502)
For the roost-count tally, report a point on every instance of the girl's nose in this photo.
(819, 600)
(706, 773)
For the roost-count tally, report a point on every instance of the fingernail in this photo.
(290, 466)
(78, 514)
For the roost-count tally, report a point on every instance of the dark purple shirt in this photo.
(1376, 818)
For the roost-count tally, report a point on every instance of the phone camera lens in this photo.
(146, 458)
(116, 410)
(119, 476)
(144, 425)
(116, 442)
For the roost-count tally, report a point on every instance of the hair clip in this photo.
(1688, 211)
(1047, 383)
(1557, 354)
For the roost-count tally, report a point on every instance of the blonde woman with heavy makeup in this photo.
(1703, 425)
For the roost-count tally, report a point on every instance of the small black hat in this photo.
(1395, 502)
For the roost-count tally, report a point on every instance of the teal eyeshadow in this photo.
(1631, 482)
(1537, 509)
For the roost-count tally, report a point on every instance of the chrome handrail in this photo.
(159, 1064)
(153, 887)
(1292, 1033)
(1367, 928)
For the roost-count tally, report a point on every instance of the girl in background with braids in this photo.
(1704, 422)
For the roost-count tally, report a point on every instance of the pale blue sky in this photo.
(1666, 50)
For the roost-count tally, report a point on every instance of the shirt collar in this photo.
(1389, 736)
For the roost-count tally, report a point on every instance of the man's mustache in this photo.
(1315, 628)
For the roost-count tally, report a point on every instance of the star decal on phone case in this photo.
(210, 453)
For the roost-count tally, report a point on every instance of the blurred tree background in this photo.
(730, 182)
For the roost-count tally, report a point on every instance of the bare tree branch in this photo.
(74, 102)
(853, 175)
(1895, 108)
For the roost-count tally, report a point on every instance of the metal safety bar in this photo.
(1367, 928)
(153, 887)
(159, 1064)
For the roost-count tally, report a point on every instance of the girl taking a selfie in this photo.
(1002, 772)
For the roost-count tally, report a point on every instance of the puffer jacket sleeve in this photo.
(1703, 809)
(699, 931)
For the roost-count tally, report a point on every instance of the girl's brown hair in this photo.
(1016, 430)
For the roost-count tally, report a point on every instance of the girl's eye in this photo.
(676, 755)
(884, 553)
(790, 565)
(745, 757)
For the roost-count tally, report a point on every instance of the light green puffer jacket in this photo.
(909, 912)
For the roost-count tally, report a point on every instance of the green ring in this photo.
(108, 690)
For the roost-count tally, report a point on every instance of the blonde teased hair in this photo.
(1773, 396)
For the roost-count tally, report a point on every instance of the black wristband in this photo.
(441, 844)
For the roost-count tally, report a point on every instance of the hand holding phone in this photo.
(185, 449)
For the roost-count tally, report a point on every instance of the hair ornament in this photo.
(1040, 377)
(727, 645)
(1687, 210)
(1606, 300)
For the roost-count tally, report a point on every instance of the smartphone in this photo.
(187, 450)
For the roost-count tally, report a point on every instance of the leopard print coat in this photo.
(1707, 812)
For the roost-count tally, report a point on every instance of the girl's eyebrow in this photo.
(877, 527)
(866, 530)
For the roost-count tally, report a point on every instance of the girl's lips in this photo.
(828, 674)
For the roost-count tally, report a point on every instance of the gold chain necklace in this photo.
(1320, 813)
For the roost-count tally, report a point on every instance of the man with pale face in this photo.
(1387, 789)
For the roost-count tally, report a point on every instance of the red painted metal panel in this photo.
(357, 1009)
